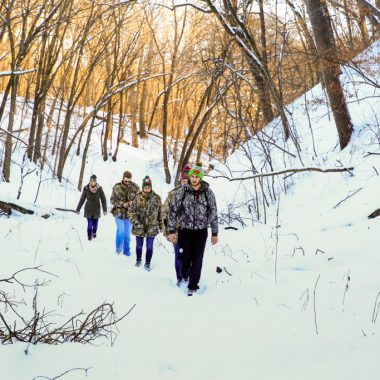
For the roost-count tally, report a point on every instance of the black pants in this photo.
(193, 244)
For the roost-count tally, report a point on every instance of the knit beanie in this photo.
(197, 170)
(146, 182)
(185, 171)
(93, 177)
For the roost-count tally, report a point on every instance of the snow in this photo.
(297, 297)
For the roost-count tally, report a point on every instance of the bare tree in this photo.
(323, 34)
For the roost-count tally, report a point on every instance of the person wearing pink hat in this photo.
(165, 214)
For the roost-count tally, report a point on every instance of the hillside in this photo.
(298, 297)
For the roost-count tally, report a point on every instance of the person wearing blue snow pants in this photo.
(123, 193)
(123, 236)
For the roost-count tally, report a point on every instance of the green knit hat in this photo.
(146, 182)
(197, 170)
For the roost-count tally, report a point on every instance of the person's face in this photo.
(127, 181)
(147, 189)
(184, 181)
(195, 180)
(92, 182)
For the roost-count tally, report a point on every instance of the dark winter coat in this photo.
(121, 194)
(92, 206)
(145, 214)
(166, 209)
(193, 209)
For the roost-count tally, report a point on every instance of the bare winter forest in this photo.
(203, 75)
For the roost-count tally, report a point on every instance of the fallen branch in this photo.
(65, 209)
(335, 170)
(7, 207)
(375, 214)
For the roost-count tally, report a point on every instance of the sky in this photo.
(298, 296)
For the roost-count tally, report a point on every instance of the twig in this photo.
(346, 287)
(300, 248)
(276, 251)
(63, 373)
(315, 309)
(305, 303)
(227, 271)
(349, 196)
(371, 154)
(376, 309)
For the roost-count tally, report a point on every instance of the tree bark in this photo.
(324, 38)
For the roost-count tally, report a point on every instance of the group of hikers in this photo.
(189, 209)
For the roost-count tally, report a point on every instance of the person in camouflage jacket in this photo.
(193, 211)
(165, 215)
(123, 193)
(93, 195)
(145, 215)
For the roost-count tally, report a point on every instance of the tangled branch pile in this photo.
(83, 328)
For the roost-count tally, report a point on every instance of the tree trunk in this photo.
(363, 12)
(85, 150)
(349, 25)
(120, 132)
(133, 117)
(108, 132)
(8, 140)
(323, 34)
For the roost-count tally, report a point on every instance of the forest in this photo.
(204, 76)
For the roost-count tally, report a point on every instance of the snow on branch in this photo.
(18, 72)
(197, 7)
(334, 170)
(116, 4)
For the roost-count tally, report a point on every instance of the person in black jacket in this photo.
(192, 211)
(92, 194)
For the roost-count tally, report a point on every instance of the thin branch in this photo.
(349, 196)
(64, 373)
(337, 170)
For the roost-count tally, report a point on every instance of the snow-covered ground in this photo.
(297, 297)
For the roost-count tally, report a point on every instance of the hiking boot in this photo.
(94, 236)
(147, 267)
(191, 292)
(138, 263)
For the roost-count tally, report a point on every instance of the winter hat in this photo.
(146, 182)
(93, 177)
(185, 171)
(197, 170)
